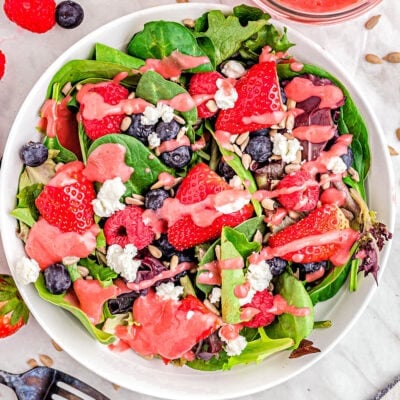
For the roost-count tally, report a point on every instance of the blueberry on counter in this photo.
(33, 154)
(69, 14)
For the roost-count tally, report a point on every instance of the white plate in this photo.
(152, 377)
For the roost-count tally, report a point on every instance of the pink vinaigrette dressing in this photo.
(317, 5)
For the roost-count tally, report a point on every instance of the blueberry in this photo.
(348, 158)
(57, 279)
(138, 130)
(260, 132)
(155, 198)
(177, 158)
(168, 130)
(225, 170)
(309, 268)
(277, 265)
(259, 148)
(34, 154)
(69, 14)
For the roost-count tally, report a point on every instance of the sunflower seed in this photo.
(244, 144)
(173, 263)
(154, 251)
(290, 104)
(131, 95)
(56, 346)
(242, 138)
(371, 23)
(116, 387)
(393, 151)
(46, 360)
(354, 174)
(211, 106)
(189, 22)
(268, 204)
(290, 122)
(233, 138)
(373, 59)
(83, 271)
(246, 160)
(218, 252)
(133, 201)
(66, 88)
(398, 133)
(393, 57)
(179, 119)
(32, 363)
(211, 307)
(237, 150)
(258, 237)
(70, 260)
(125, 123)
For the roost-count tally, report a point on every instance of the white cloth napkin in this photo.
(390, 392)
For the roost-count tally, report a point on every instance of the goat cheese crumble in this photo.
(215, 295)
(121, 261)
(107, 201)
(151, 115)
(27, 270)
(226, 95)
(285, 148)
(233, 69)
(336, 165)
(154, 140)
(234, 347)
(168, 291)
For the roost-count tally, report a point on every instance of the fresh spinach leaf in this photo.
(242, 244)
(106, 53)
(159, 39)
(146, 166)
(100, 272)
(288, 325)
(153, 88)
(77, 70)
(64, 155)
(59, 300)
(84, 142)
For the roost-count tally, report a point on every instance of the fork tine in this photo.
(59, 391)
(79, 385)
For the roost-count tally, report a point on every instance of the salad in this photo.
(195, 195)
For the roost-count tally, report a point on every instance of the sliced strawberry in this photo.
(305, 199)
(112, 94)
(127, 226)
(168, 328)
(65, 201)
(263, 302)
(13, 312)
(185, 233)
(258, 95)
(203, 84)
(2, 64)
(323, 219)
(200, 182)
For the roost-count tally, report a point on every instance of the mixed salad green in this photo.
(162, 210)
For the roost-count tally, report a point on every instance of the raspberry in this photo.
(112, 94)
(262, 301)
(204, 83)
(2, 64)
(126, 226)
(34, 15)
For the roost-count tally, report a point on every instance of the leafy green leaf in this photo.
(64, 155)
(26, 210)
(227, 34)
(159, 39)
(258, 350)
(214, 364)
(146, 166)
(288, 325)
(153, 88)
(100, 272)
(75, 71)
(106, 53)
(59, 300)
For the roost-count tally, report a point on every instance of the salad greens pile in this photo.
(240, 36)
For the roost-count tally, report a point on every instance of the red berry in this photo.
(200, 182)
(18, 314)
(66, 200)
(2, 64)
(127, 226)
(258, 94)
(321, 220)
(204, 83)
(112, 94)
(34, 15)
(262, 301)
(302, 200)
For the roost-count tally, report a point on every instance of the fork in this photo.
(41, 383)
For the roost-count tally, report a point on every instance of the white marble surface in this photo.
(369, 355)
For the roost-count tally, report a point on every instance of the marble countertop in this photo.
(368, 357)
